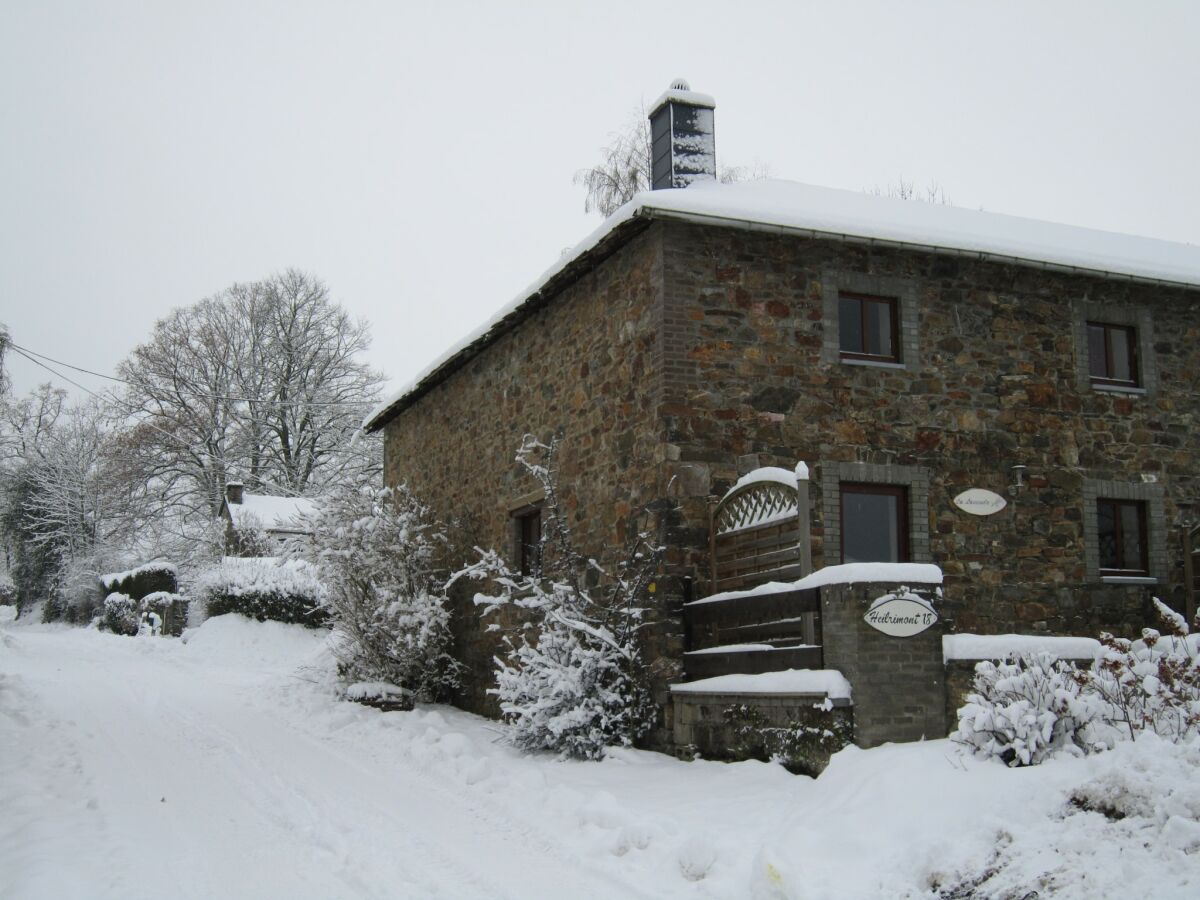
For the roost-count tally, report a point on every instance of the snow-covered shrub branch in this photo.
(1029, 707)
(1024, 709)
(573, 679)
(1151, 684)
(377, 552)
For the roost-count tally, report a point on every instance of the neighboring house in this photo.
(907, 352)
(278, 519)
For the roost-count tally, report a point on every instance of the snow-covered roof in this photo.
(272, 513)
(789, 206)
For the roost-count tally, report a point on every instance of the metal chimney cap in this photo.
(680, 84)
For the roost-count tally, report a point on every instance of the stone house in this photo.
(277, 519)
(909, 353)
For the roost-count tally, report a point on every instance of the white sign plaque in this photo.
(900, 615)
(980, 502)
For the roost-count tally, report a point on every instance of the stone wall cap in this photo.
(848, 573)
(816, 682)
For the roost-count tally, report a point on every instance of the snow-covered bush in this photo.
(804, 745)
(1027, 708)
(250, 538)
(121, 614)
(377, 551)
(150, 578)
(572, 680)
(1024, 709)
(1151, 684)
(264, 588)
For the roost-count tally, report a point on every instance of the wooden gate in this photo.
(757, 534)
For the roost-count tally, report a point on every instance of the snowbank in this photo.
(235, 747)
(233, 640)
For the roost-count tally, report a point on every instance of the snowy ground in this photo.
(225, 767)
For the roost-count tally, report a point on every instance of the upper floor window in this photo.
(1112, 354)
(874, 523)
(868, 327)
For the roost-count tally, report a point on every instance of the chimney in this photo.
(683, 148)
(233, 492)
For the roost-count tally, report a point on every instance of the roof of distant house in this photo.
(273, 513)
(790, 207)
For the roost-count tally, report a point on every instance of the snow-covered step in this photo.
(822, 683)
(750, 659)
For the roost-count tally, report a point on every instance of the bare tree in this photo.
(263, 379)
(624, 169)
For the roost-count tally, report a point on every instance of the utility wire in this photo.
(131, 411)
(24, 351)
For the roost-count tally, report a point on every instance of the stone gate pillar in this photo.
(898, 683)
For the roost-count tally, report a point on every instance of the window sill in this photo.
(1119, 389)
(872, 363)
(1128, 579)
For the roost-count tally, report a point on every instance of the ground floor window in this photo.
(527, 539)
(1121, 529)
(874, 523)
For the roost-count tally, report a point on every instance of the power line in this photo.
(200, 395)
(130, 411)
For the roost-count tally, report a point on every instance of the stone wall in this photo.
(796, 729)
(582, 366)
(990, 379)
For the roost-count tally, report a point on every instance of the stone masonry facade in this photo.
(694, 352)
(989, 379)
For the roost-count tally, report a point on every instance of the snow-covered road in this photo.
(226, 767)
(155, 774)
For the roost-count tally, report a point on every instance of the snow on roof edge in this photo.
(843, 214)
(626, 213)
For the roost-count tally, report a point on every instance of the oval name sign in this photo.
(900, 615)
(980, 502)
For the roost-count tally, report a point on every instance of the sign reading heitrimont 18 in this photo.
(901, 614)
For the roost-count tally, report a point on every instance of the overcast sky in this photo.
(418, 157)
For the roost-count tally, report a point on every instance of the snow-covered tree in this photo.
(72, 510)
(573, 679)
(25, 427)
(264, 378)
(377, 551)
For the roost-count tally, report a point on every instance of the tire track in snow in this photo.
(203, 789)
